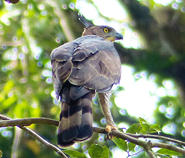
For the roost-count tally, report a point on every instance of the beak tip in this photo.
(119, 36)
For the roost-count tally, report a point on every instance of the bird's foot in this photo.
(109, 130)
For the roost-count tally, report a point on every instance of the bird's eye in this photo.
(106, 30)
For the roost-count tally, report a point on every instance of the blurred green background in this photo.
(154, 44)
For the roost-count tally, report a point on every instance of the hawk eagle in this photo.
(80, 68)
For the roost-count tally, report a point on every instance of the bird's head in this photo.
(106, 32)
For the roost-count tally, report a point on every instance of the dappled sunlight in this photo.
(170, 128)
(152, 85)
(163, 2)
(135, 97)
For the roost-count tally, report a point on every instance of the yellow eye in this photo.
(106, 30)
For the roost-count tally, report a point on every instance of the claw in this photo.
(109, 130)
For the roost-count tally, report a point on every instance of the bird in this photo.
(81, 68)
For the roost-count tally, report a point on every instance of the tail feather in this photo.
(85, 132)
(75, 121)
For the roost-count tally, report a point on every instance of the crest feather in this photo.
(84, 21)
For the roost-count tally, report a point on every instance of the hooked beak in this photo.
(114, 37)
(119, 36)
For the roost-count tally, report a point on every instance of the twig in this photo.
(168, 146)
(129, 137)
(148, 149)
(16, 142)
(39, 138)
(150, 153)
(18, 43)
(157, 137)
(145, 145)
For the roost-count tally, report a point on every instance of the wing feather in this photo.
(88, 61)
(100, 67)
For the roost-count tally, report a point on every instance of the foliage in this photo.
(30, 30)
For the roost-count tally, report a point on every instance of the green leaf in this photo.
(142, 120)
(155, 128)
(134, 128)
(105, 153)
(74, 154)
(9, 101)
(162, 156)
(120, 143)
(131, 146)
(1, 153)
(145, 128)
(95, 151)
(169, 152)
(2, 97)
(144, 124)
(8, 85)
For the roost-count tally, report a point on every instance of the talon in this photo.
(109, 130)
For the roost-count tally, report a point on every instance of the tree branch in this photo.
(63, 20)
(14, 44)
(168, 146)
(157, 137)
(147, 145)
(35, 135)
(26, 121)
(149, 150)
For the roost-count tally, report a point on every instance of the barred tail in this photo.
(75, 121)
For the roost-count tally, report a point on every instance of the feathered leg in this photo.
(104, 102)
(75, 121)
